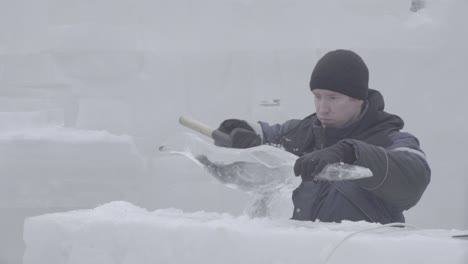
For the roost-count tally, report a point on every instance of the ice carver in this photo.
(350, 126)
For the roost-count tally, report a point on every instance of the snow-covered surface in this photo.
(119, 232)
(118, 74)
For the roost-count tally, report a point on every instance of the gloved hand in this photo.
(241, 133)
(311, 164)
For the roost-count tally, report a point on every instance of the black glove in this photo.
(241, 134)
(311, 164)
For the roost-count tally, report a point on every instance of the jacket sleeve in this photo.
(400, 171)
(272, 134)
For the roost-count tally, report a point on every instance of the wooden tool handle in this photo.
(222, 138)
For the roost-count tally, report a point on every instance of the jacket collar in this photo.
(372, 121)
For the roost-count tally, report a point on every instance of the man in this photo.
(350, 126)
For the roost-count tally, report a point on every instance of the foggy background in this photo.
(90, 89)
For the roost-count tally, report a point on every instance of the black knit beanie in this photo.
(341, 71)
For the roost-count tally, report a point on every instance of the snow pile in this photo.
(119, 232)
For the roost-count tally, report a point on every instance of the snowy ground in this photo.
(89, 90)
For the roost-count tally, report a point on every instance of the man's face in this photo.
(334, 109)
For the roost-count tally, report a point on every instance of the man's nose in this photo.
(323, 107)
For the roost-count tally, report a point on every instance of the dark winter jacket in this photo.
(401, 172)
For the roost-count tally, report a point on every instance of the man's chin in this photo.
(328, 123)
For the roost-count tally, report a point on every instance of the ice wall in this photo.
(121, 233)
